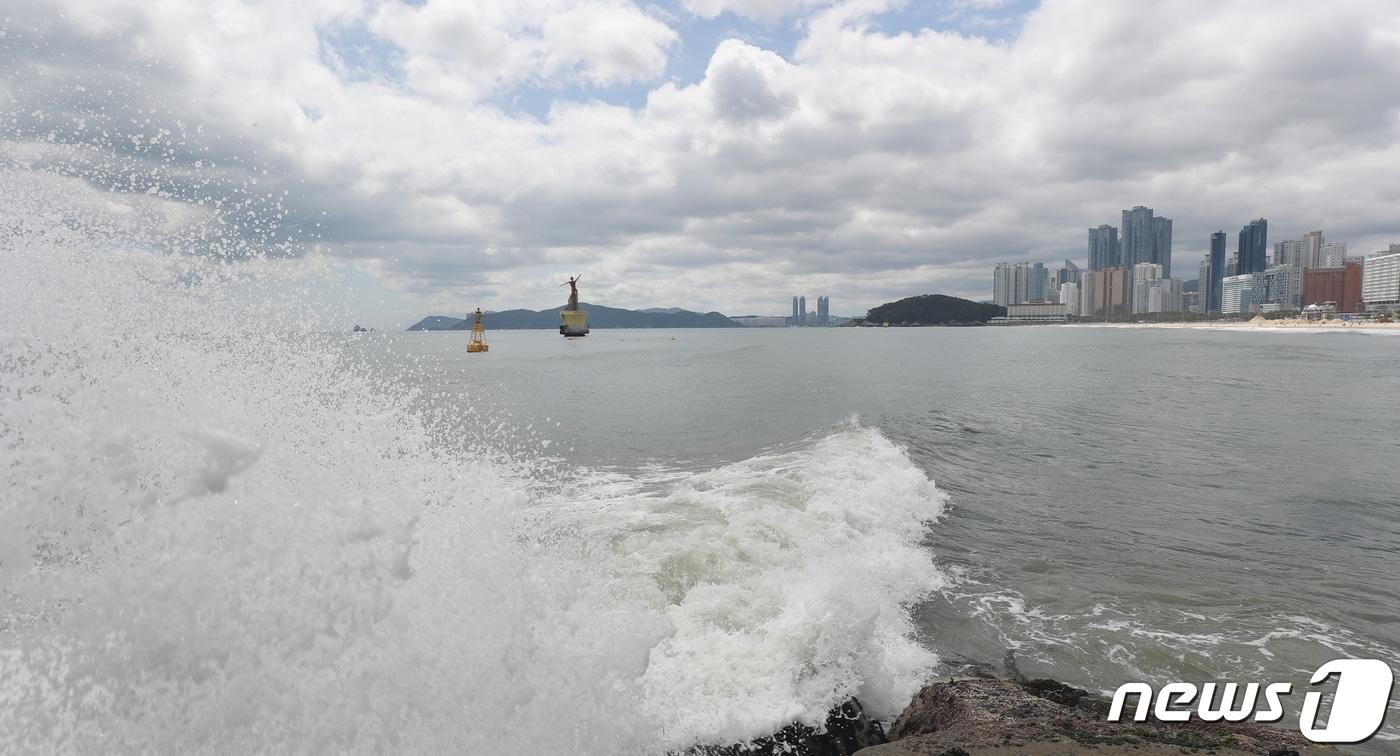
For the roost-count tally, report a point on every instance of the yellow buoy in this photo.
(478, 339)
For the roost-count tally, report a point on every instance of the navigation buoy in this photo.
(575, 320)
(478, 339)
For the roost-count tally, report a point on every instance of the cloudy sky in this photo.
(715, 154)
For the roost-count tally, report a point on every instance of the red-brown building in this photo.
(1341, 285)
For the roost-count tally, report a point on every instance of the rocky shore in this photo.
(988, 716)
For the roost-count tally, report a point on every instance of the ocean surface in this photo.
(230, 526)
(1121, 504)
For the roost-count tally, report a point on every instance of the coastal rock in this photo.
(846, 731)
(988, 716)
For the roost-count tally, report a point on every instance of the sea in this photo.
(234, 526)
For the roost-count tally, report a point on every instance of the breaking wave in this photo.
(223, 533)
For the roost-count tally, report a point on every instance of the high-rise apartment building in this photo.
(1312, 250)
(1162, 244)
(1107, 292)
(1068, 274)
(823, 310)
(1291, 252)
(1104, 250)
(1252, 254)
(1069, 297)
(802, 310)
(1332, 254)
(1380, 280)
(1003, 290)
(796, 311)
(1138, 236)
(1217, 271)
(1020, 283)
(1037, 283)
(1144, 274)
(1205, 284)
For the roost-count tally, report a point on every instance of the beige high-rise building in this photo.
(1312, 250)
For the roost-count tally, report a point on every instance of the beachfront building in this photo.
(1069, 297)
(1380, 280)
(1145, 275)
(1339, 285)
(1281, 286)
(823, 310)
(1107, 292)
(1037, 312)
(1236, 294)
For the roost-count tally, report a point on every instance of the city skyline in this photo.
(1130, 274)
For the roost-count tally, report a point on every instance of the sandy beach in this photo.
(1295, 325)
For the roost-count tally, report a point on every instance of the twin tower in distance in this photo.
(800, 316)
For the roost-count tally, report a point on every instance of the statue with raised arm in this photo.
(573, 292)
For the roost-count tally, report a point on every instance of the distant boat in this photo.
(477, 343)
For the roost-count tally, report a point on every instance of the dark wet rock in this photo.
(984, 716)
(846, 731)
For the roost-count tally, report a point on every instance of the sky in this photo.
(709, 154)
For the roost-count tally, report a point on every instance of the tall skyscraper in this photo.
(1138, 236)
(1253, 246)
(1104, 250)
(1146, 239)
(1204, 284)
(1312, 250)
(802, 310)
(1217, 270)
(1003, 289)
(1292, 252)
(796, 312)
(823, 310)
(1162, 245)
(1037, 282)
(1068, 274)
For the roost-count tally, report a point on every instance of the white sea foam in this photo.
(222, 534)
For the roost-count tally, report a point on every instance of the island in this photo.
(931, 310)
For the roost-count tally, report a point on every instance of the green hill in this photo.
(933, 309)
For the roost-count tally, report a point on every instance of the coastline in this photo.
(1260, 324)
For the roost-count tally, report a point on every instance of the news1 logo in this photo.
(1358, 709)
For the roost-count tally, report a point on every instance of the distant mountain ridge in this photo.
(598, 317)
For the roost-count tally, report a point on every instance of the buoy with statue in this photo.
(477, 343)
(575, 320)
